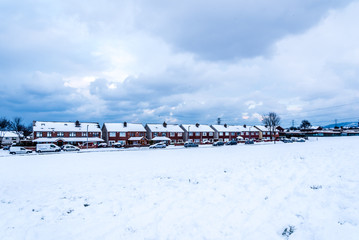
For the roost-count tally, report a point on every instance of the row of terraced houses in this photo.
(136, 134)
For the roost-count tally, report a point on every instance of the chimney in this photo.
(245, 126)
(124, 124)
(164, 124)
(225, 125)
(77, 123)
(197, 124)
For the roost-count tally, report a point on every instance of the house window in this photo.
(233, 134)
(95, 134)
(38, 134)
(155, 134)
(112, 134)
(247, 133)
(172, 134)
(48, 134)
(257, 133)
(60, 134)
(132, 134)
(179, 134)
(190, 134)
(226, 139)
(196, 141)
(210, 134)
(122, 134)
(220, 133)
(163, 134)
(204, 134)
(84, 134)
(141, 134)
(227, 133)
(72, 134)
(198, 134)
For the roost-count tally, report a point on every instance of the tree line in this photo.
(15, 125)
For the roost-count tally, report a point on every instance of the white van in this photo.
(19, 150)
(47, 148)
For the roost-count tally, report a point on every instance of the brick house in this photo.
(235, 132)
(198, 133)
(61, 133)
(265, 134)
(169, 133)
(125, 133)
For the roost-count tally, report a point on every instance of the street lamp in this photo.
(87, 134)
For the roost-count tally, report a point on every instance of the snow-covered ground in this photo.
(263, 191)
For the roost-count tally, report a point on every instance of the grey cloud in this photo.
(226, 30)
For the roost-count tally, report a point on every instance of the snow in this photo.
(262, 191)
(119, 127)
(69, 139)
(200, 128)
(9, 134)
(234, 128)
(65, 127)
(161, 128)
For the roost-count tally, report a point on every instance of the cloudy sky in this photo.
(180, 61)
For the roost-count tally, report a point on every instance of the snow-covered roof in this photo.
(70, 139)
(168, 128)
(194, 128)
(65, 127)
(264, 128)
(135, 138)
(161, 139)
(119, 127)
(8, 134)
(234, 128)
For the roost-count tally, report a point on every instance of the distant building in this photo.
(60, 133)
(198, 133)
(124, 133)
(169, 133)
(9, 137)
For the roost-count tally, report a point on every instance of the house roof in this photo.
(161, 139)
(194, 128)
(264, 128)
(8, 134)
(234, 128)
(136, 138)
(65, 127)
(161, 128)
(119, 127)
(70, 139)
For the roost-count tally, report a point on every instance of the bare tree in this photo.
(271, 121)
(4, 124)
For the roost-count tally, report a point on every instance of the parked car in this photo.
(102, 145)
(19, 150)
(218, 143)
(190, 144)
(286, 140)
(158, 145)
(300, 140)
(47, 147)
(232, 142)
(250, 141)
(69, 147)
(118, 145)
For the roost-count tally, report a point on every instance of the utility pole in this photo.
(336, 123)
(219, 121)
(292, 123)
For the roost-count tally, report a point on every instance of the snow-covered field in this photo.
(263, 191)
